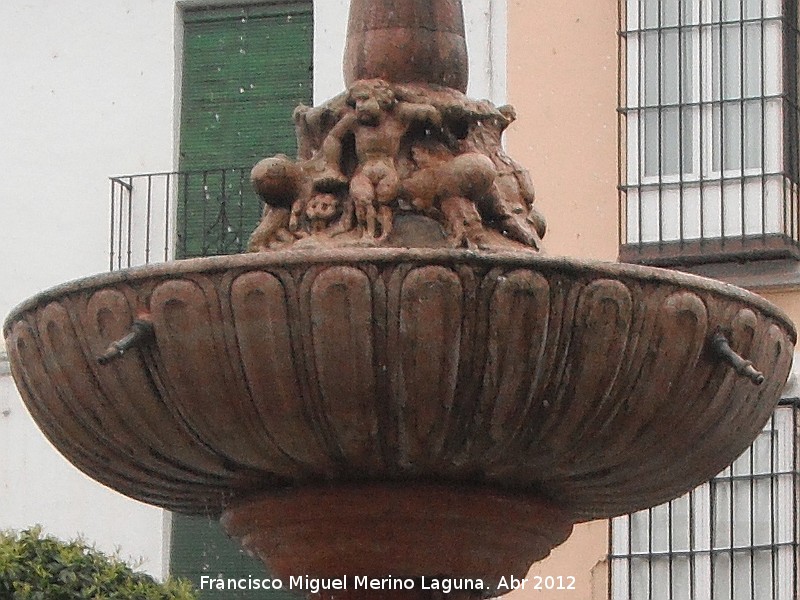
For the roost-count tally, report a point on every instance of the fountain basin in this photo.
(590, 389)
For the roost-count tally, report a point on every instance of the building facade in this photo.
(686, 113)
(657, 131)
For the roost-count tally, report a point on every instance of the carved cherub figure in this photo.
(377, 122)
(449, 187)
(509, 204)
(281, 183)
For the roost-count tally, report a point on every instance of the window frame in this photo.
(704, 546)
(702, 210)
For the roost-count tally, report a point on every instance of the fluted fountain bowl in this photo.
(415, 394)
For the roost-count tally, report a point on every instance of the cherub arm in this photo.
(299, 205)
(411, 112)
(332, 146)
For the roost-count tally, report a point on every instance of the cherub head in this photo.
(278, 180)
(322, 208)
(370, 98)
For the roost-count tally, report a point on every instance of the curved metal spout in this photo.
(141, 332)
(407, 41)
(722, 348)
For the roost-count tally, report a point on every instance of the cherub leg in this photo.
(519, 229)
(298, 208)
(386, 193)
(363, 194)
(511, 216)
(273, 225)
(462, 221)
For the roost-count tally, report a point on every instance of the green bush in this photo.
(37, 567)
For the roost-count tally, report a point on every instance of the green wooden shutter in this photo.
(200, 547)
(245, 69)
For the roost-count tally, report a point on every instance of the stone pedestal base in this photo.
(417, 540)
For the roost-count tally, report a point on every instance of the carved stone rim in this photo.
(297, 257)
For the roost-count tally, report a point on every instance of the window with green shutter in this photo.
(200, 547)
(245, 69)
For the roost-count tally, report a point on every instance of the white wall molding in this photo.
(792, 388)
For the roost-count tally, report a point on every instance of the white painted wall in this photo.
(89, 90)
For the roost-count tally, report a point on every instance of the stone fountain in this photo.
(395, 383)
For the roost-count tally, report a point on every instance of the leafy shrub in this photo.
(37, 567)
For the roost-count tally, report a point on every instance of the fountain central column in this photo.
(403, 147)
(407, 41)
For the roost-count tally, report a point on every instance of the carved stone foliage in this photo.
(393, 165)
(589, 385)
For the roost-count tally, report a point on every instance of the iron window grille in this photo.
(708, 130)
(733, 538)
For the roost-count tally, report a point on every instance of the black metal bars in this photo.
(182, 214)
(708, 130)
(733, 538)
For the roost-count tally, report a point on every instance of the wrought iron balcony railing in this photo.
(161, 216)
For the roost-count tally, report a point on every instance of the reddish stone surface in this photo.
(405, 530)
(407, 41)
(592, 384)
